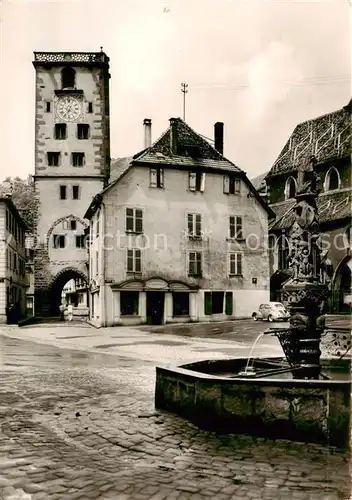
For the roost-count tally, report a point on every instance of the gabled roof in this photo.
(192, 151)
(258, 182)
(326, 137)
(330, 207)
(119, 167)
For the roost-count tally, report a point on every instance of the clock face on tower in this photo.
(68, 108)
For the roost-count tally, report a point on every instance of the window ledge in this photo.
(240, 240)
(235, 275)
(156, 187)
(130, 316)
(128, 231)
(195, 238)
(195, 276)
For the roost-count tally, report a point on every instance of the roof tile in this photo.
(330, 206)
(192, 151)
(326, 137)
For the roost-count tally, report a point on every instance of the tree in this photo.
(22, 193)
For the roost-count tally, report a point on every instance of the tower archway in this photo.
(69, 286)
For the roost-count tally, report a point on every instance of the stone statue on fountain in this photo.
(304, 293)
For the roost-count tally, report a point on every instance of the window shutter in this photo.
(226, 184)
(198, 225)
(153, 177)
(161, 173)
(228, 303)
(207, 303)
(130, 260)
(202, 182)
(192, 181)
(237, 186)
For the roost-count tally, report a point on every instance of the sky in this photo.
(259, 66)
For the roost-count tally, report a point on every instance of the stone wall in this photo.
(299, 410)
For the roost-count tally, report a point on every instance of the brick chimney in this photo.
(173, 136)
(219, 137)
(147, 123)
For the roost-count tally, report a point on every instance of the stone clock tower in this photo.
(72, 162)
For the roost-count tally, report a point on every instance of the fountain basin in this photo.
(210, 394)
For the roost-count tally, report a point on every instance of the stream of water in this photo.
(251, 352)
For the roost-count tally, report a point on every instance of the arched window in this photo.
(68, 76)
(332, 180)
(290, 188)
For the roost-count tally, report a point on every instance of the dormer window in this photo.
(68, 77)
(290, 188)
(332, 180)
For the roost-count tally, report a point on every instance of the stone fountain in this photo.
(300, 397)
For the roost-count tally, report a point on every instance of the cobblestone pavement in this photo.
(80, 425)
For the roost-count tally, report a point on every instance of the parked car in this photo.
(272, 311)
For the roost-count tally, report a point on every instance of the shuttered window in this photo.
(232, 185)
(157, 177)
(197, 181)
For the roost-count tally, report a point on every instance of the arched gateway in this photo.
(79, 287)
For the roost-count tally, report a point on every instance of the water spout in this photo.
(251, 352)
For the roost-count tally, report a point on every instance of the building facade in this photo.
(72, 159)
(179, 235)
(328, 139)
(13, 278)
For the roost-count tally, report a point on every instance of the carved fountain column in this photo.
(304, 293)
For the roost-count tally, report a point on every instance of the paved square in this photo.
(81, 424)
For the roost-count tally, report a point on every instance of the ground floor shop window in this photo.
(218, 303)
(129, 302)
(180, 303)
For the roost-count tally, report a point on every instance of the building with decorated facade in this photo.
(328, 139)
